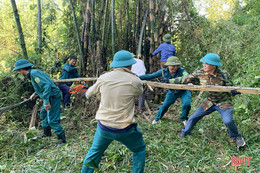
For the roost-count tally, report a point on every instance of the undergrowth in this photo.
(206, 149)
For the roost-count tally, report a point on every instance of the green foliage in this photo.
(207, 149)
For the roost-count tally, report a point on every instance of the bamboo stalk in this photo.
(74, 80)
(245, 90)
(147, 108)
(197, 99)
(34, 113)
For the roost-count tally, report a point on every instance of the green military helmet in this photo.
(167, 38)
(211, 59)
(21, 63)
(173, 60)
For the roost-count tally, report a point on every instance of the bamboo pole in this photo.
(34, 113)
(74, 80)
(245, 90)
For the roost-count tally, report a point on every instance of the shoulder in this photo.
(66, 65)
(223, 72)
(182, 70)
(198, 72)
(36, 72)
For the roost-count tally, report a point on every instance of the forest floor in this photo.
(206, 149)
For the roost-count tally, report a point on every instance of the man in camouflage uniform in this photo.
(216, 101)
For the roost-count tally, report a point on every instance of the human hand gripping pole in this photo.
(164, 80)
(234, 92)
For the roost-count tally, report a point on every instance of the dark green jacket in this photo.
(43, 85)
(69, 72)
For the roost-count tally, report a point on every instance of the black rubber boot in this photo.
(46, 132)
(61, 139)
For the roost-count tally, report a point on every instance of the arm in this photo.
(186, 78)
(159, 49)
(151, 76)
(44, 85)
(77, 74)
(93, 90)
(227, 78)
(67, 67)
(228, 82)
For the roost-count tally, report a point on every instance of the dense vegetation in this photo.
(235, 38)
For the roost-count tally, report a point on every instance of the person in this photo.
(115, 115)
(172, 70)
(166, 49)
(139, 69)
(211, 74)
(69, 71)
(51, 96)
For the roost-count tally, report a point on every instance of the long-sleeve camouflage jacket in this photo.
(219, 78)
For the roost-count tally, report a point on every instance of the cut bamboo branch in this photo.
(150, 88)
(197, 99)
(147, 108)
(245, 90)
(34, 113)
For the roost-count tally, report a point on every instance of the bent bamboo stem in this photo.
(245, 90)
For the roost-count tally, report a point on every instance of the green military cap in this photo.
(173, 60)
(167, 38)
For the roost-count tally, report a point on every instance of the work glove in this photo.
(164, 80)
(151, 54)
(83, 95)
(234, 92)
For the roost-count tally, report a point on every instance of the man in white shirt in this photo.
(139, 69)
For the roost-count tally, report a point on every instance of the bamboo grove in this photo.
(105, 26)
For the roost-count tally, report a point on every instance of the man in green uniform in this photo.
(69, 71)
(51, 96)
(171, 71)
(211, 74)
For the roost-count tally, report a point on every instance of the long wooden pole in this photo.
(245, 90)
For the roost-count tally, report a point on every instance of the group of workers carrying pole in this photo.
(118, 89)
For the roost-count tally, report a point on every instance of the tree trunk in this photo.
(105, 28)
(113, 25)
(93, 38)
(141, 34)
(134, 27)
(39, 27)
(100, 68)
(83, 69)
(120, 41)
(126, 5)
(86, 33)
(151, 15)
(19, 27)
